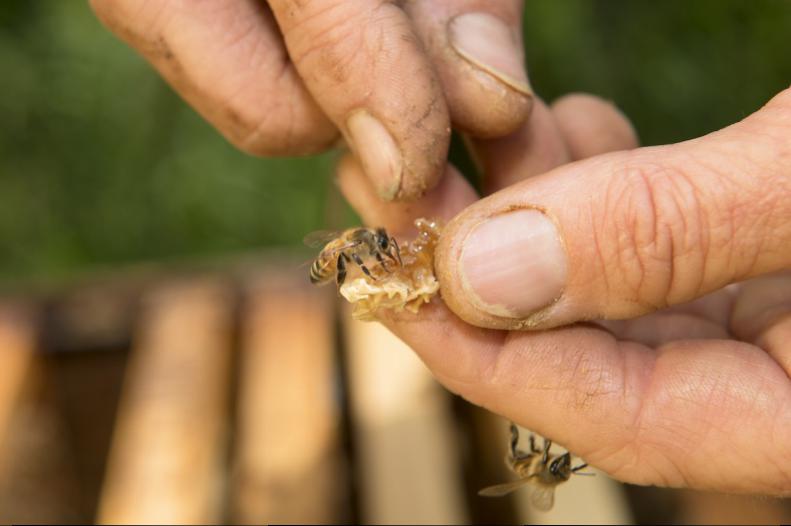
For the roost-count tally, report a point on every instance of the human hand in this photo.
(688, 383)
(282, 77)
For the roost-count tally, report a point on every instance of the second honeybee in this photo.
(538, 469)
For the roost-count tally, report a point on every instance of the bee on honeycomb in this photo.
(373, 272)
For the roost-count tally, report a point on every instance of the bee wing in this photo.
(542, 497)
(306, 263)
(319, 238)
(499, 490)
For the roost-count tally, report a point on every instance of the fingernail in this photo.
(514, 264)
(377, 151)
(488, 43)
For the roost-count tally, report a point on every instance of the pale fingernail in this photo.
(377, 151)
(514, 264)
(488, 43)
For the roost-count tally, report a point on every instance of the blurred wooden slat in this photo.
(488, 436)
(95, 316)
(166, 460)
(86, 329)
(652, 505)
(17, 347)
(288, 464)
(407, 454)
(699, 507)
(84, 388)
(37, 479)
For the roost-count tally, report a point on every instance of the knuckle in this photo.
(781, 101)
(277, 133)
(284, 122)
(654, 215)
(322, 29)
(330, 36)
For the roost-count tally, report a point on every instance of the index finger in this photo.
(366, 68)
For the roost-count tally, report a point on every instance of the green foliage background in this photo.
(100, 163)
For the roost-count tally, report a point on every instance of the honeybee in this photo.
(352, 245)
(539, 470)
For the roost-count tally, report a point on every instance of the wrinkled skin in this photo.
(284, 77)
(689, 386)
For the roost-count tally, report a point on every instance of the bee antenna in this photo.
(394, 244)
(576, 470)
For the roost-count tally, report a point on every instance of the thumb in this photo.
(623, 234)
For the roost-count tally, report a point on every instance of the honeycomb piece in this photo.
(406, 287)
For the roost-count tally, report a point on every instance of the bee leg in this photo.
(381, 261)
(514, 440)
(533, 446)
(389, 251)
(545, 452)
(394, 245)
(516, 453)
(341, 268)
(357, 259)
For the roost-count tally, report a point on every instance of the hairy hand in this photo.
(684, 249)
(283, 77)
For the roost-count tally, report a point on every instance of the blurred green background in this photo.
(101, 164)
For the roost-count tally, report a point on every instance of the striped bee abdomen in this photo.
(320, 272)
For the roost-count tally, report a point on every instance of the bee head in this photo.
(382, 239)
(561, 467)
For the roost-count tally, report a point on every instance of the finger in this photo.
(367, 69)
(592, 126)
(576, 127)
(715, 307)
(624, 234)
(226, 59)
(451, 195)
(661, 418)
(775, 339)
(704, 318)
(663, 327)
(633, 413)
(762, 315)
(537, 147)
(476, 48)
